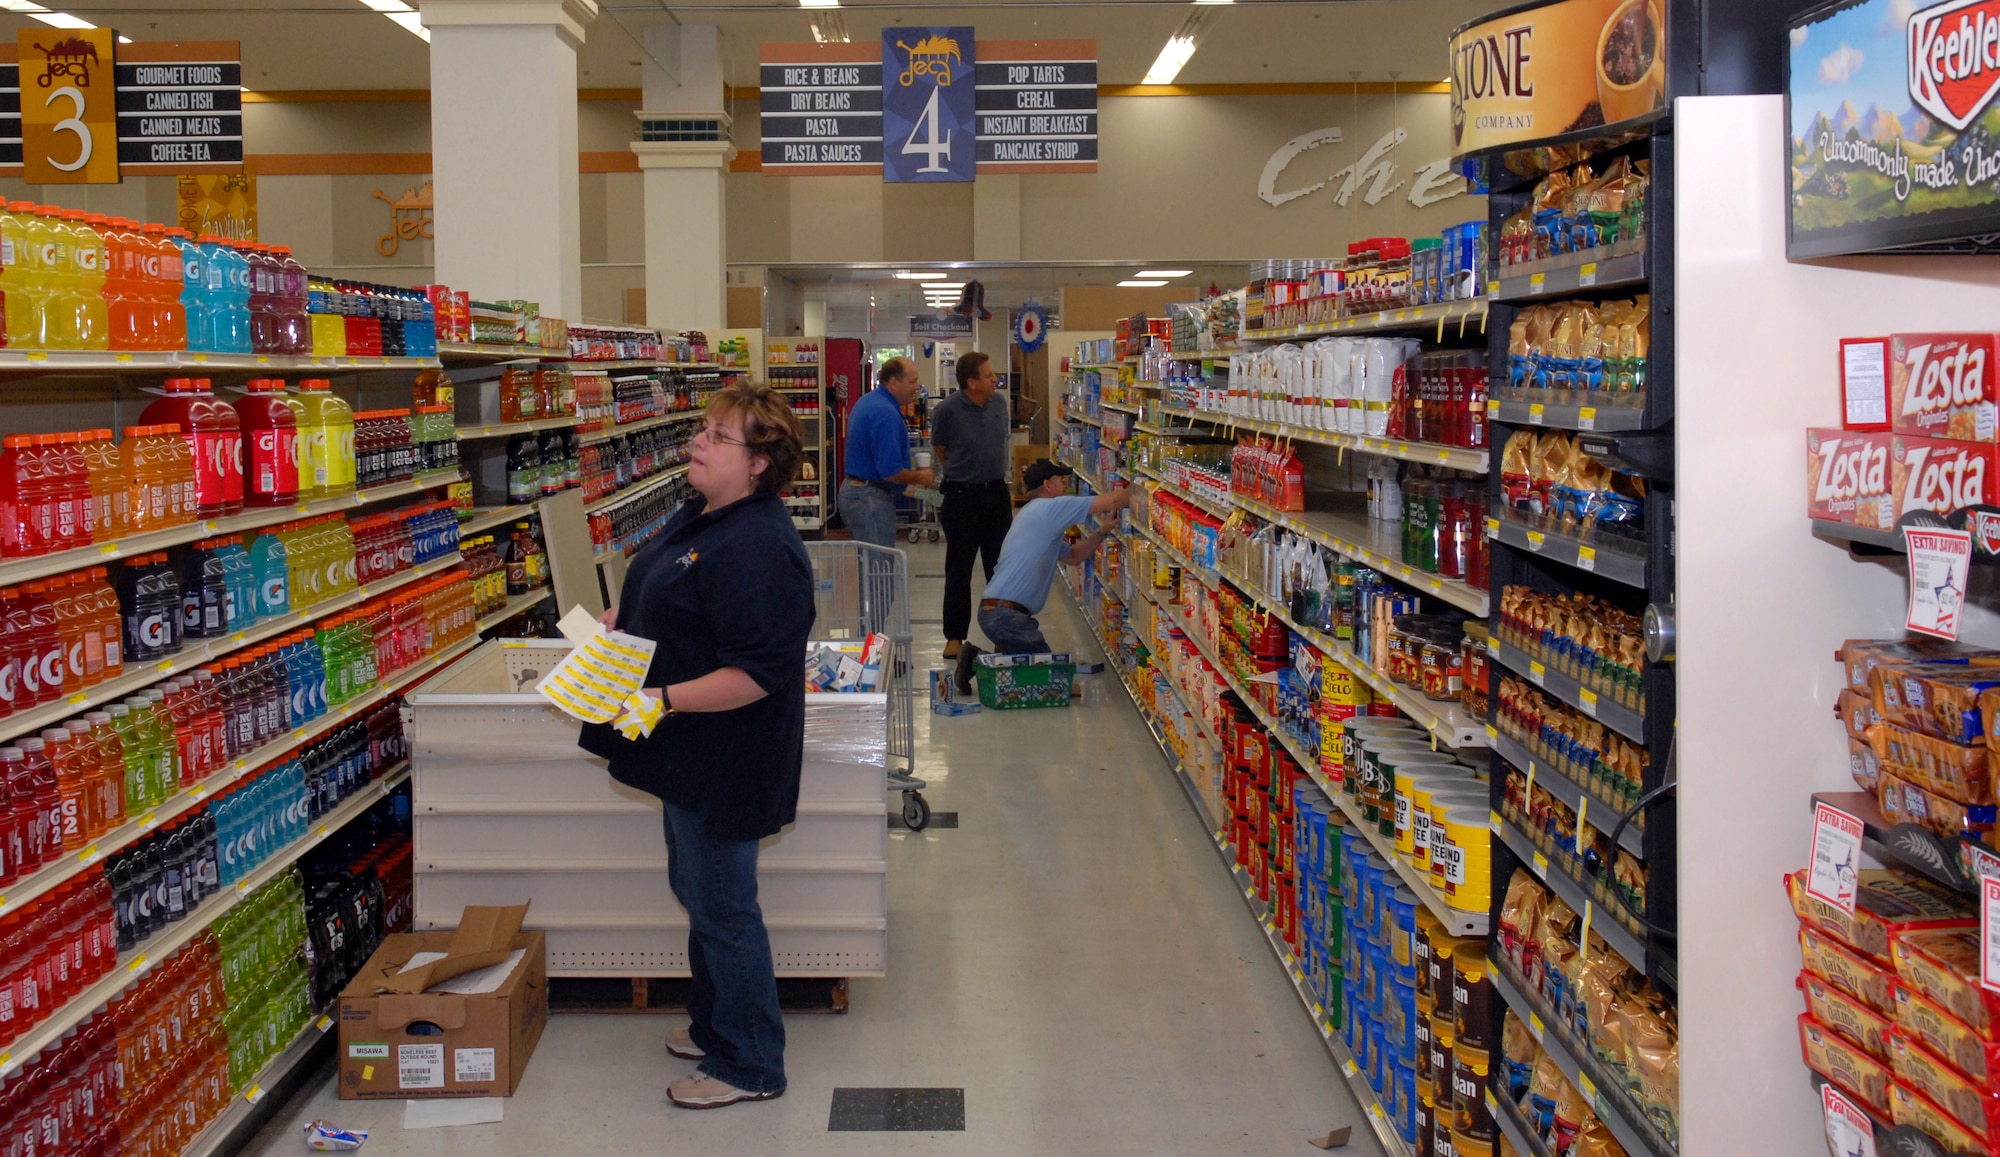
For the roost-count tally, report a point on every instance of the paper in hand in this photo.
(596, 681)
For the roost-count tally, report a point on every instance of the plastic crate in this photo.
(1022, 685)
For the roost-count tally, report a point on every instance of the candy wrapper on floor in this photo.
(327, 1137)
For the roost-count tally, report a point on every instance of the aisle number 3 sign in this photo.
(69, 106)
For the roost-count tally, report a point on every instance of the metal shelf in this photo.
(1600, 559)
(196, 653)
(489, 351)
(1377, 544)
(509, 429)
(1471, 460)
(635, 489)
(142, 957)
(1419, 317)
(1622, 941)
(1603, 708)
(1603, 1091)
(1916, 848)
(1603, 818)
(1603, 419)
(1609, 267)
(488, 517)
(586, 439)
(22, 570)
(513, 607)
(216, 1136)
(1217, 509)
(1201, 355)
(1507, 1115)
(51, 876)
(143, 361)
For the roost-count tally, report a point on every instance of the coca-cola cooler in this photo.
(850, 370)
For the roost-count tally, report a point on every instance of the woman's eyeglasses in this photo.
(713, 434)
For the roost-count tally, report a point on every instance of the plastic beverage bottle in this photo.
(68, 476)
(147, 496)
(11, 761)
(20, 281)
(163, 284)
(329, 435)
(90, 765)
(126, 305)
(204, 593)
(60, 305)
(111, 765)
(228, 284)
(329, 332)
(10, 664)
(47, 639)
(266, 323)
(244, 600)
(39, 783)
(215, 441)
(110, 623)
(20, 491)
(270, 565)
(270, 433)
(86, 257)
(70, 786)
(26, 649)
(70, 628)
(110, 511)
(292, 297)
(194, 291)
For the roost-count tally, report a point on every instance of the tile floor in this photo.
(1073, 957)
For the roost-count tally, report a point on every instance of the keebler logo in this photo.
(1955, 59)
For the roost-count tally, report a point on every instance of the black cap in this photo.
(1041, 471)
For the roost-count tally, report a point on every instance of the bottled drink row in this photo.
(502, 572)
(629, 525)
(615, 463)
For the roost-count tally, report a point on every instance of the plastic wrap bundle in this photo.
(847, 732)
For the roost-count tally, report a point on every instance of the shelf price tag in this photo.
(1349, 1068)
(1586, 274)
(1493, 821)
(1836, 859)
(1848, 1129)
(254, 1094)
(1586, 418)
(1535, 540)
(1541, 865)
(1537, 414)
(1586, 558)
(1538, 282)
(1493, 528)
(147, 821)
(1939, 561)
(1989, 933)
(1537, 674)
(138, 965)
(1583, 936)
(1493, 407)
(79, 699)
(1493, 646)
(89, 855)
(1587, 700)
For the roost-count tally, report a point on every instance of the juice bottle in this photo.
(20, 492)
(86, 257)
(329, 436)
(20, 288)
(111, 511)
(270, 432)
(214, 437)
(194, 290)
(164, 284)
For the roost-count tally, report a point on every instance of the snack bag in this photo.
(1845, 1064)
(1943, 964)
(1885, 903)
(1847, 1016)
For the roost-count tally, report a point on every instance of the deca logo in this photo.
(1954, 54)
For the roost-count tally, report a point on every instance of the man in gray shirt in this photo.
(969, 434)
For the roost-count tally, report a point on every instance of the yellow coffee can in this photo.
(1468, 869)
(1412, 769)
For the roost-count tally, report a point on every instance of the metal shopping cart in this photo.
(861, 589)
(917, 510)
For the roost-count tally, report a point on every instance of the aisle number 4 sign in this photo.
(929, 95)
(69, 106)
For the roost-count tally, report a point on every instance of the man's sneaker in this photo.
(951, 647)
(680, 1042)
(705, 1092)
(966, 656)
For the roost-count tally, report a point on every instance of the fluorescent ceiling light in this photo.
(402, 14)
(829, 27)
(1138, 284)
(819, 3)
(1179, 47)
(37, 12)
(936, 285)
(1170, 272)
(907, 275)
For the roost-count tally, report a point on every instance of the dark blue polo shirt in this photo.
(728, 588)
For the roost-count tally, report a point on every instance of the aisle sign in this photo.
(180, 107)
(1849, 1132)
(1038, 106)
(1554, 68)
(928, 83)
(68, 105)
(1940, 559)
(1835, 871)
(821, 109)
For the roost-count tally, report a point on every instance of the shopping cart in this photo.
(917, 510)
(861, 589)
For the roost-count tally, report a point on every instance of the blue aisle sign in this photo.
(930, 129)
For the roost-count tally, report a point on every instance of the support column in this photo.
(503, 148)
(684, 153)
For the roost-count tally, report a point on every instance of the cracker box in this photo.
(1941, 386)
(446, 1014)
(1845, 1064)
(1847, 478)
(1943, 476)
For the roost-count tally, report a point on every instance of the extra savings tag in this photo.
(1835, 869)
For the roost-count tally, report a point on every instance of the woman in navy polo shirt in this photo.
(727, 593)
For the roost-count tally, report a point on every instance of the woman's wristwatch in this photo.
(666, 703)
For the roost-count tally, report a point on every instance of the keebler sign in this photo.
(1895, 140)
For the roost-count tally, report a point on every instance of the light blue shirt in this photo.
(1027, 563)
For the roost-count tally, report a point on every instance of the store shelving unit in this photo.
(635, 489)
(614, 431)
(66, 362)
(515, 605)
(1429, 453)
(1604, 708)
(1442, 315)
(803, 381)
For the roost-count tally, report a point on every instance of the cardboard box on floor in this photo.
(400, 1041)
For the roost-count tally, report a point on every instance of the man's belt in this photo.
(1003, 604)
(876, 483)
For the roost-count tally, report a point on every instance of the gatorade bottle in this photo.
(214, 437)
(111, 513)
(38, 776)
(292, 297)
(266, 335)
(270, 434)
(20, 281)
(126, 305)
(103, 605)
(10, 672)
(228, 283)
(68, 480)
(20, 492)
(329, 436)
(63, 327)
(194, 291)
(270, 565)
(25, 658)
(163, 281)
(86, 257)
(146, 488)
(329, 333)
(243, 597)
(204, 593)
(46, 640)
(71, 627)
(111, 763)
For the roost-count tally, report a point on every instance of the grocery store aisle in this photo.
(1072, 956)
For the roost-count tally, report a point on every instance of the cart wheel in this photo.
(934, 536)
(916, 811)
(914, 532)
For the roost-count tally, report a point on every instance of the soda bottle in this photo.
(270, 431)
(22, 497)
(110, 511)
(47, 640)
(194, 291)
(329, 436)
(214, 438)
(21, 283)
(86, 256)
(164, 285)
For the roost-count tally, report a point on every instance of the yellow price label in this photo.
(254, 1094)
(79, 699)
(1541, 864)
(1492, 528)
(38, 357)
(1587, 700)
(1537, 673)
(1492, 646)
(1493, 820)
(147, 821)
(1349, 1068)
(121, 357)
(1588, 1086)
(110, 550)
(1586, 558)
(1493, 407)
(324, 1023)
(1535, 539)
(1537, 282)
(138, 965)
(89, 855)
(1535, 1025)
(1586, 418)
(166, 668)
(1537, 414)
(1586, 274)
(1492, 732)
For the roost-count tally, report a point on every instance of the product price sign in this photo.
(68, 104)
(929, 79)
(180, 107)
(1037, 106)
(1989, 933)
(1849, 1133)
(1836, 857)
(821, 109)
(1940, 561)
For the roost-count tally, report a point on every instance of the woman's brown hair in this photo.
(770, 430)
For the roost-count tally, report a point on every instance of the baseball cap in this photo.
(1041, 471)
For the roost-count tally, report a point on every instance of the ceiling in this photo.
(851, 291)
(340, 44)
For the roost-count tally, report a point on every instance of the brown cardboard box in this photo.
(406, 1045)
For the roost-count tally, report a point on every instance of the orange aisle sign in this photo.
(69, 106)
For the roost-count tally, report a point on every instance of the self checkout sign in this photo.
(930, 129)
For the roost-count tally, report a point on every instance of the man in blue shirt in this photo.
(1027, 567)
(878, 455)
